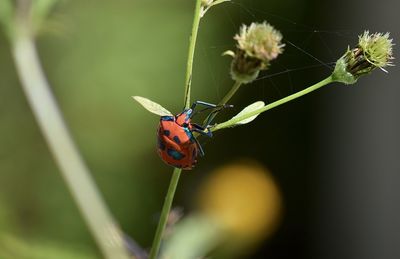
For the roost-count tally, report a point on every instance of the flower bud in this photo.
(373, 51)
(257, 45)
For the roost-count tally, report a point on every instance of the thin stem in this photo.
(224, 100)
(231, 92)
(289, 98)
(192, 46)
(103, 227)
(165, 213)
(177, 172)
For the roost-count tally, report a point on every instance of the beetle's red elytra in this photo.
(177, 146)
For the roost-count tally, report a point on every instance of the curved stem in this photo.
(224, 100)
(177, 172)
(104, 229)
(233, 122)
(231, 92)
(165, 213)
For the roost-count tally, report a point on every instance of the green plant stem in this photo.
(231, 92)
(289, 98)
(192, 46)
(224, 100)
(165, 213)
(103, 227)
(177, 172)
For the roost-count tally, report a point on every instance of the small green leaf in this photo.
(219, 2)
(248, 109)
(207, 4)
(152, 106)
(229, 53)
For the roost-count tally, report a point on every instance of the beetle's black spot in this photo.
(167, 133)
(194, 153)
(175, 154)
(167, 118)
(161, 144)
(177, 140)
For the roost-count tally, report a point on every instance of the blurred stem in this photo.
(194, 237)
(177, 171)
(165, 213)
(106, 232)
(192, 46)
(233, 122)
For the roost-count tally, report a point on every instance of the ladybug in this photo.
(177, 145)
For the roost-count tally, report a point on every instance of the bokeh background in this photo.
(334, 155)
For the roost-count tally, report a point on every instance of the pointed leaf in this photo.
(229, 53)
(248, 109)
(152, 106)
(219, 2)
(210, 4)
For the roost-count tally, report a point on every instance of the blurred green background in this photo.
(103, 52)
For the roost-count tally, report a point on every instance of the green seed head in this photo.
(377, 48)
(373, 51)
(257, 45)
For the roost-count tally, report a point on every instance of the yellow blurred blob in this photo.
(244, 199)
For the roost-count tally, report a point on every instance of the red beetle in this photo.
(177, 146)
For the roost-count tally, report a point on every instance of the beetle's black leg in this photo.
(199, 146)
(197, 126)
(201, 130)
(208, 106)
(214, 113)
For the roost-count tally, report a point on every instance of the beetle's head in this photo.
(183, 119)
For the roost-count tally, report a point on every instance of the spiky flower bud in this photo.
(373, 51)
(257, 45)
